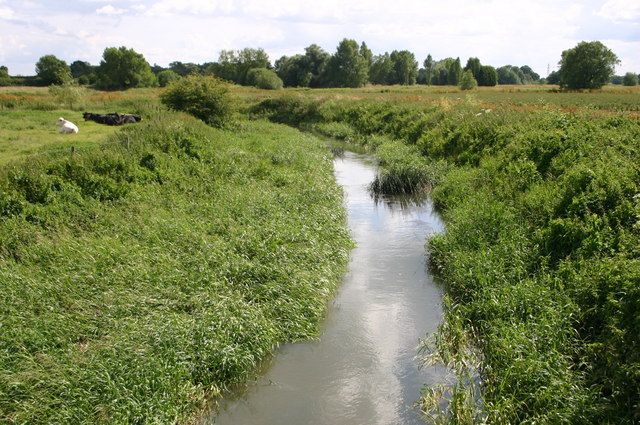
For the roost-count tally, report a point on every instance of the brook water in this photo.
(364, 369)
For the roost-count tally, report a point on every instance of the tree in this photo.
(467, 81)
(405, 67)
(234, 65)
(51, 70)
(167, 76)
(630, 79)
(508, 75)
(589, 65)
(347, 67)
(123, 68)
(316, 60)
(530, 76)
(381, 69)
(429, 67)
(83, 72)
(473, 65)
(293, 71)
(487, 76)
(366, 53)
(184, 69)
(5, 79)
(553, 77)
(454, 73)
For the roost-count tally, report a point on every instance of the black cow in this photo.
(113, 118)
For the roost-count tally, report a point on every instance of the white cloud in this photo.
(5, 11)
(110, 10)
(621, 10)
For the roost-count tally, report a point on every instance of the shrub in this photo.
(264, 78)
(206, 98)
(467, 82)
(167, 76)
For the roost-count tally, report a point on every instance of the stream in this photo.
(364, 367)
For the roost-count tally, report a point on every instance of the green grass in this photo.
(541, 257)
(139, 282)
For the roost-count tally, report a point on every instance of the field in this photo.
(158, 264)
(161, 262)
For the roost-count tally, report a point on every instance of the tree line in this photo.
(588, 65)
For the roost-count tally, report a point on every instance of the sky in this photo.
(499, 32)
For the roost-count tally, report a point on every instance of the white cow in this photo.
(67, 127)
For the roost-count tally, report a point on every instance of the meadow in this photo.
(541, 256)
(159, 263)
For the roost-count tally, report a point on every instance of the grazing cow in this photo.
(67, 127)
(113, 118)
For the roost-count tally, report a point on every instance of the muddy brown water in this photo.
(364, 369)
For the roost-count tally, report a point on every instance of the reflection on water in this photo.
(363, 370)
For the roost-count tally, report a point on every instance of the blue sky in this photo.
(499, 32)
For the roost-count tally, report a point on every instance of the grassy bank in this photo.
(138, 281)
(541, 257)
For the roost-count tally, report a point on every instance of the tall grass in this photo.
(144, 275)
(541, 257)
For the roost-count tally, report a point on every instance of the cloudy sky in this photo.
(499, 32)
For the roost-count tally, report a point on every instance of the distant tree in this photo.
(123, 68)
(455, 72)
(5, 79)
(51, 70)
(553, 77)
(529, 75)
(234, 65)
(316, 60)
(167, 76)
(487, 76)
(405, 67)
(293, 71)
(184, 69)
(83, 72)
(264, 78)
(616, 79)
(473, 65)
(429, 68)
(589, 65)
(381, 69)
(508, 75)
(467, 81)
(347, 67)
(630, 79)
(366, 53)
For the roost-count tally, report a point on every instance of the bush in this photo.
(206, 98)
(467, 82)
(167, 76)
(630, 79)
(264, 78)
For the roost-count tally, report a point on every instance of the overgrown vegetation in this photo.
(206, 98)
(541, 257)
(145, 274)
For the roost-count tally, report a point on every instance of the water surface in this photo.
(364, 369)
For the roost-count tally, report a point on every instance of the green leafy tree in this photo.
(467, 81)
(589, 65)
(405, 67)
(5, 79)
(381, 69)
(347, 67)
(184, 69)
(167, 76)
(233, 65)
(529, 75)
(293, 71)
(316, 60)
(83, 72)
(366, 53)
(509, 74)
(553, 77)
(51, 70)
(473, 65)
(487, 76)
(264, 78)
(630, 79)
(454, 73)
(123, 68)
(429, 68)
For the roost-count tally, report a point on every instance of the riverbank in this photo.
(144, 274)
(541, 254)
